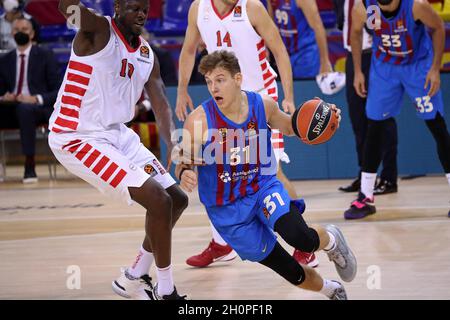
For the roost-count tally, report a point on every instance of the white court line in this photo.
(124, 233)
(397, 208)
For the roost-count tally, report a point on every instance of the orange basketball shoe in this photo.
(213, 253)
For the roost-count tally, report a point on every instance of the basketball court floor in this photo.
(64, 240)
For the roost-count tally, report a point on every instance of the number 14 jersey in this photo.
(234, 32)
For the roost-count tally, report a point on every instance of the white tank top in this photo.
(234, 32)
(100, 91)
(367, 38)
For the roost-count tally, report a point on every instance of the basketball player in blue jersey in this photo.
(228, 135)
(404, 59)
(304, 35)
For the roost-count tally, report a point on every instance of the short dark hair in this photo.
(22, 17)
(219, 59)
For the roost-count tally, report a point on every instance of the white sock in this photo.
(142, 263)
(216, 236)
(448, 178)
(330, 244)
(165, 280)
(329, 286)
(368, 183)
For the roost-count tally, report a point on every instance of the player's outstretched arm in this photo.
(312, 15)
(84, 19)
(186, 63)
(160, 105)
(267, 29)
(356, 34)
(423, 11)
(276, 118)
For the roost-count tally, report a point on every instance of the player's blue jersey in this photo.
(294, 28)
(239, 157)
(399, 39)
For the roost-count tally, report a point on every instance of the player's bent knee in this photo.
(294, 230)
(180, 200)
(285, 265)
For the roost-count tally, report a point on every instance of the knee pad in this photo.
(285, 265)
(294, 273)
(294, 230)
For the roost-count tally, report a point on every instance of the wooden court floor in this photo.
(64, 240)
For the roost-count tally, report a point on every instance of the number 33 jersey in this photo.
(399, 39)
(100, 91)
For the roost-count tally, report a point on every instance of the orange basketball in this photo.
(314, 122)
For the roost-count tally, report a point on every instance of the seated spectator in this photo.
(29, 83)
(13, 10)
(166, 65)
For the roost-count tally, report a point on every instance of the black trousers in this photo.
(26, 117)
(358, 119)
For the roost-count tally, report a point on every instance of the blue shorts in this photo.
(247, 224)
(388, 82)
(306, 62)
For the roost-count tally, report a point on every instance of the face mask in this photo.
(10, 5)
(21, 38)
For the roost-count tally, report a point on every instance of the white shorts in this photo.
(277, 137)
(112, 161)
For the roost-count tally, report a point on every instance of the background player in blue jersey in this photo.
(237, 180)
(304, 35)
(404, 59)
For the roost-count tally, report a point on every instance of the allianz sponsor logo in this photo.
(236, 176)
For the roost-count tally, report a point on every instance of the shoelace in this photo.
(146, 279)
(337, 257)
(207, 250)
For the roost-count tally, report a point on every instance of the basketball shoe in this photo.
(213, 253)
(343, 258)
(339, 293)
(360, 208)
(306, 258)
(173, 296)
(133, 288)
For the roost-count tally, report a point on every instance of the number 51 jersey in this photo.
(100, 91)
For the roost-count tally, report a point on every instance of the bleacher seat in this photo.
(328, 18)
(175, 17)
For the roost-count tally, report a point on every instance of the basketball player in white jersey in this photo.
(110, 65)
(245, 28)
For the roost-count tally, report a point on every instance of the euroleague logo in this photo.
(145, 52)
(148, 168)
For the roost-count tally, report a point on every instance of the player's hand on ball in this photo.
(338, 113)
(188, 180)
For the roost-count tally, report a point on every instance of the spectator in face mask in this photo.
(13, 10)
(29, 83)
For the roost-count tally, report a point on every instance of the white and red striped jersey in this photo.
(234, 32)
(100, 91)
(367, 38)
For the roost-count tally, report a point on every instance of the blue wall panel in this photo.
(337, 158)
